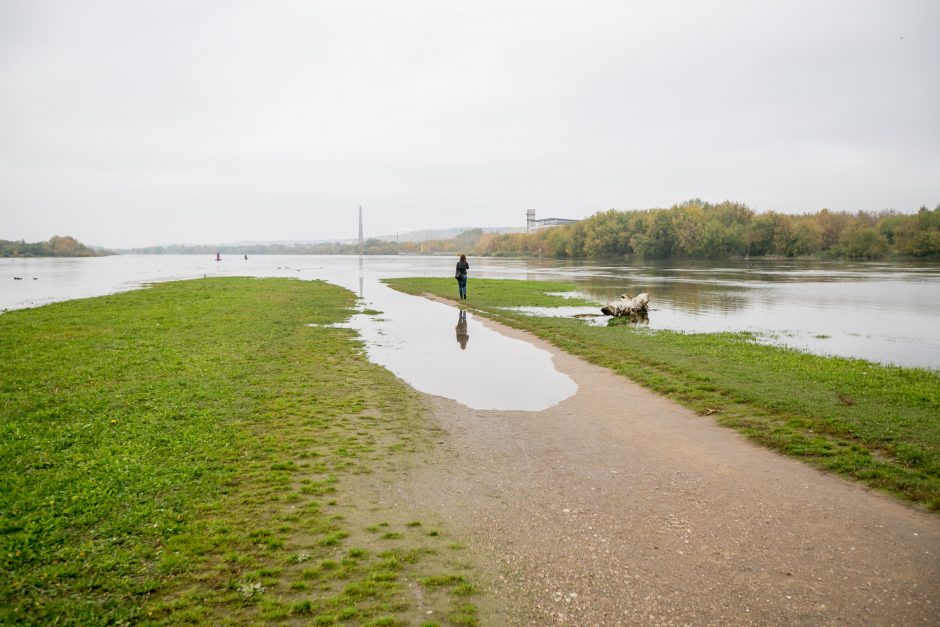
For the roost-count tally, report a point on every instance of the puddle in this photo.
(443, 350)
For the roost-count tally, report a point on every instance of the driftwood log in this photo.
(626, 306)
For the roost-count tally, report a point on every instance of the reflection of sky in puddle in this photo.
(439, 351)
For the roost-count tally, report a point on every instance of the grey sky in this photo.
(133, 123)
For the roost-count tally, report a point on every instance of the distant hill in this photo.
(423, 235)
(427, 235)
(277, 242)
(57, 246)
(376, 245)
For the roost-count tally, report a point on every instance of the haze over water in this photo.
(884, 312)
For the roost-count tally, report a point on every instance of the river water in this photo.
(883, 312)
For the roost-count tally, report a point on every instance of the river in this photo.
(882, 312)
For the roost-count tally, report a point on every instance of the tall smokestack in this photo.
(360, 229)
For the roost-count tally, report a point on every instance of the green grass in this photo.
(877, 424)
(195, 452)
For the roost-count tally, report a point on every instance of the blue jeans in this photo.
(462, 286)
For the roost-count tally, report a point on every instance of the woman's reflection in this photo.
(462, 336)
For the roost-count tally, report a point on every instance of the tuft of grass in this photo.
(464, 614)
(464, 589)
(877, 424)
(437, 581)
(163, 453)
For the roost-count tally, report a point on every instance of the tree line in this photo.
(56, 246)
(698, 229)
(691, 229)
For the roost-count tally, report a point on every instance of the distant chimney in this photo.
(360, 229)
(529, 219)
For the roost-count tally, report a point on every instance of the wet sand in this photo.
(618, 506)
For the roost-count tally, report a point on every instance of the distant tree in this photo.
(919, 235)
(858, 241)
(575, 246)
(831, 226)
(604, 235)
(760, 234)
(555, 240)
(722, 240)
(56, 246)
(659, 239)
(890, 224)
(688, 222)
(730, 213)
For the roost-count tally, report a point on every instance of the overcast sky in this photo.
(129, 123)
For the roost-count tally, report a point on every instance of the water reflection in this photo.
(639, 319)
(361, 277)
(500, 373)
(690, 293)
(462, 335)
(882, 311)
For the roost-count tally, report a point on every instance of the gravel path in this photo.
(618, 506)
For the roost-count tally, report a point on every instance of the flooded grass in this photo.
(197, 452)
(887, 437)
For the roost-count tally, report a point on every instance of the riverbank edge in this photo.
(878, 425)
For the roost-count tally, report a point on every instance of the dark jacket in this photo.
(462, 267)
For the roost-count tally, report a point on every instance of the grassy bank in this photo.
(205, 451)
(879, 425)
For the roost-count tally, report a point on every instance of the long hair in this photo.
(463, 258)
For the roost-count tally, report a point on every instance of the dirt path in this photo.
(621, 507)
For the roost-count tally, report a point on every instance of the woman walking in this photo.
(461, 275)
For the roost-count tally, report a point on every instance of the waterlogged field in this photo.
(877, 424)
(203, 451)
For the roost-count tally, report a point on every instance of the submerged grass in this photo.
(877, 424)
(195, 452)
